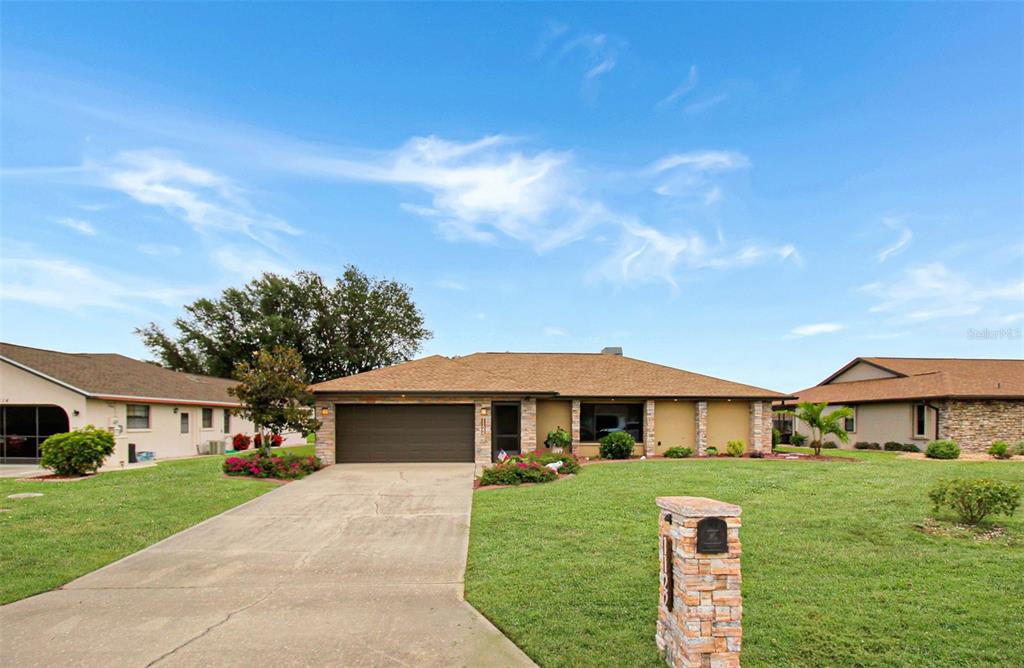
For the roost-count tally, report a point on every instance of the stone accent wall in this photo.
(975, 424)
(575, 425)
(325, 434)
(649, 434)
(482, 437)
(700, 608)
(760, 426)
(528, 425)
(702, 427)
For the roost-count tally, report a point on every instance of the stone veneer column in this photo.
(700, 607)
(528, 425)
(701, 414)
(482, 438)
(649, 442)
(325, 434)
(575, 425)
(760, 433)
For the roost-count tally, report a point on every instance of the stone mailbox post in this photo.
(700, 608)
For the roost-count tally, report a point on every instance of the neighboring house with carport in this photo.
(469, 408)
(147, 407)
(916, 400)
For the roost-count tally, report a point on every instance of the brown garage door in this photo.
(413, 433)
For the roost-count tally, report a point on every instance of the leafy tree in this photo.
(822, 424)
(357, 324)
(274, 394)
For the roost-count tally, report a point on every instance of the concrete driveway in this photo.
(357, 565)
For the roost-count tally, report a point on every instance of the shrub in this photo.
(973, 500)
(829, 445)
(797, 439)
(735, 448)
(569, 463)
(241, 442)
(1000, 450)
(711, 451)
(288, 466)
(1019, 449)
(910, 447)
(942, 450)
(559, 438)
(864, 445)
(517, 470)
(617, 445)
(275, 440)
(757, 454)
(678, 452)
(77, 452)
(776, 438)
(892, 446)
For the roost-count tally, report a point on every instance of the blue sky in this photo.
(759, 192)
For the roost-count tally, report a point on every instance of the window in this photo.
(138, 416)
(850, 423)
(24, 428)
(184, 423)
(920, 420)
(227, 421)
(207, 418)
(599, 420)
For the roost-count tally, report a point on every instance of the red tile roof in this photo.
(564, 374)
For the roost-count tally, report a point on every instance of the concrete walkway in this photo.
(357, 565)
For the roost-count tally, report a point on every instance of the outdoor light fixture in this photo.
(175, 409)
(483, 411)
(75, 412)
(325, 411)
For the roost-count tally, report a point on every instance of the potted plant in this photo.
(558, 440)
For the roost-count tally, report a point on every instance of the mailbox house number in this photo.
(712, 537)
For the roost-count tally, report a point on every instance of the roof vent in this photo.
(612, 350)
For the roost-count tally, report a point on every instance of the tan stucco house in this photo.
(917, 400)
(469, 408)
(147, 407)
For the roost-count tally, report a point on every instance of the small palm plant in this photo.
(822, 424)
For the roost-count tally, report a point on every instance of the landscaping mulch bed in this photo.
(964, 457)
(779, 456)
(53, 477)
(478, 487)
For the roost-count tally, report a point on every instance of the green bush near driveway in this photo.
(617, 445)
(76, 527)
(837, 570)
(77, 452)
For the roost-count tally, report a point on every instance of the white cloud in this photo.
(247, 262)
(705, 104)
(554, 331)
(78, 225)
(933, 291)
(451, 284)
(689, 84)
(693, 174)
(64, 284)
(702, 161)
(905, 235)
(204, 199)
(815, 329)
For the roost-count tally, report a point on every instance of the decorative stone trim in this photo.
(702, 426)
(482, 437)
(325, 434)
(700, 609)
(528, 425)
(575, 425)
(649, 437)
(760, 426)
(974, 425)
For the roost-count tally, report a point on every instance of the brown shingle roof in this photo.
(925, 378)
(117, 376)
(565, 374)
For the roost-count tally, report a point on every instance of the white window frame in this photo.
(202, 419)
(226, 421)
(854, 418)
(127, 417)
(184, 420)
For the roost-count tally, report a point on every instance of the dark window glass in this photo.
(52, 420)
(20, 420)
(138, 416)
(207, 418)
(227, 421)
(184, 423)
(849, 424)
(506, 420)
(599, 420)
(21, 447)
(919, 420)
(24, 428)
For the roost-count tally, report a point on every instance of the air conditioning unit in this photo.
(215, 447)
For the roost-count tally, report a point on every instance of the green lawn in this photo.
(836, 571)
(79, 526)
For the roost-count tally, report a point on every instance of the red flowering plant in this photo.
(275, 440)
(241, 442)
(284, 467)
(516, 470)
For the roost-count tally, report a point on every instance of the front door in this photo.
(505, 428)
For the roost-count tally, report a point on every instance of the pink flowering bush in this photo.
(275, 440)
(517, 470)
(284, 467)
